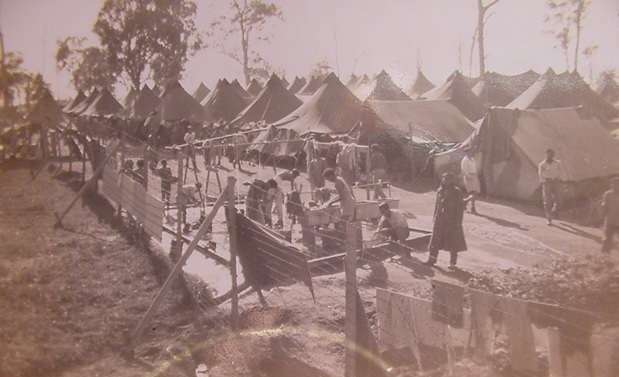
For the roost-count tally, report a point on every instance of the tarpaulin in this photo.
(267, 258)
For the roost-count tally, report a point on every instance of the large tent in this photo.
(496, 89)
(363, 88)
(224, 103)
(104, 105)
(311, 87)
(176, 104)
(510, 144)
(201, 92)
(254, 88)
(46, 110)
(332, 109)
(425, 120)
(79, 98)
(456, 91)
(297, 85)
(236, 85)
(271, 104)
(145, 103)
(564, 90)
(83, 105)
(285, 82)
(420, 86)
(384, 89)
(608, 89)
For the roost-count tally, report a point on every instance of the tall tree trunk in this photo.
(480, 37)
(579, 11)
(246, 63)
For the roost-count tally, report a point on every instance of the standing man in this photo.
(549, 172)
(378, 171)
(447, 231)
(610, 207)
(286, 175)
(470, 177)
(314, 170)
(345, 195)
(166, 182)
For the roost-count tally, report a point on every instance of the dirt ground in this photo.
(71, 297)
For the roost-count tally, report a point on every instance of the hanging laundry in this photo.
(520, 333)
(447, 303)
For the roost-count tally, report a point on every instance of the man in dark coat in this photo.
(447, 232)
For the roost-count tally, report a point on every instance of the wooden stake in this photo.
(85, 187)
(122, 167)
(350, 269)
(176, 252)
(232, 231)
(178, 267)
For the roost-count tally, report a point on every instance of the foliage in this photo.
(89, 66)
(247, 20)
(320, 69)
(33, 88)
(148, 39)
(566, 20)
(12, 77)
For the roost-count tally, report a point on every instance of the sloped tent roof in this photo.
(224, 103)
(470, 81)
(513, 142)
(177, 104)
(297, 85)
(254, 88)
(285, 82)
(46, 111)
(430, 120)
(386, 90)
(272, 103)
(145, 103)
(496, 89)
(311, 87)
(241, 91)
(420, 86)
(456, 91)
(130, 97)
(75, 102)
(564, 90)
(608, 89)
(104, 104)
(85, 103)
(332, 109)
(201, 92)
(363, 88)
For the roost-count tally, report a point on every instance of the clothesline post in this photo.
(350, 270)
(232, 231)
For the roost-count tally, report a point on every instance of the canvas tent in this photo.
(201, 92)
(456, 91)
(420, 86)
(79, 108)
(564, 90)
(311, 87)
(384, 89)
(332, 109)
(145, 103)
(271, 104)
(511, 143)
(254, 88)
(129, 98)
(499, 90)
(236, 85)
(352, 81)
(104, 105)
(224, 103)
(79, 98)
(285, 82)
(363, 88)
(46, 111)
(425, 120)
(176, 104)
(297, 85)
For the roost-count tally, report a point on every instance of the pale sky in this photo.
(360, 36)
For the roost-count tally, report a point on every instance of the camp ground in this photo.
(309, 188)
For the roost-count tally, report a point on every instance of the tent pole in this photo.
(232, 231)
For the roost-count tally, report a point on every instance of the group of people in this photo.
(265, 198)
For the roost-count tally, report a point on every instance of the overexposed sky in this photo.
(360, 36)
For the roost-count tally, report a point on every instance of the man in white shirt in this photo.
(550, 172)
(470, 177)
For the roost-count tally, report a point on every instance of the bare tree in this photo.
(246, 20)
(482, 9)
(567, 15)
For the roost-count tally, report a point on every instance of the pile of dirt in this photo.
(71, 296)
(589, 283)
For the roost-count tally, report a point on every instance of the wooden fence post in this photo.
(176, 252)
(350, 270)
(122, 174)
(178, 267)
(232, 231)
